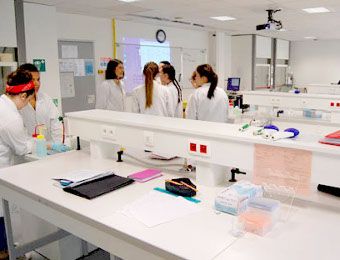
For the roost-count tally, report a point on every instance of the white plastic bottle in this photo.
(41, 148)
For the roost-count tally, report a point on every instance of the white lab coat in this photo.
(173, 100)
(160, 101)
(202, 108)
(13, 135)
(111, 96)
(45, 113)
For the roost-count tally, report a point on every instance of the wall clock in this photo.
(160, 36)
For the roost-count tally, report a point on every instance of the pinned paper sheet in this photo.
(69, 51)
(67, 84)
(283, 167)
(157, 208)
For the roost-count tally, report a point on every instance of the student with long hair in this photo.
(168, 79)
(160, 68)
(110, 95)
(208, 102)
(151, 97)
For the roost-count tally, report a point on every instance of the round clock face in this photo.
(160, 36)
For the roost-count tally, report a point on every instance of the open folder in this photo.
(97, 186)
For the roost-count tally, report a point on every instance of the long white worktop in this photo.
(227, 146)
(310, 232)
(204, 129)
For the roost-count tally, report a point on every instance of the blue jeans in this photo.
(3, 240)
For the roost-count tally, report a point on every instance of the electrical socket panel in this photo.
(109, 132)
(148, 139)
(199, 148)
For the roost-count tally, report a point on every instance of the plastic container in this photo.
(41, 148)
(257, 221)
(261, 216)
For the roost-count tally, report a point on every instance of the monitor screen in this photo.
(233, 84)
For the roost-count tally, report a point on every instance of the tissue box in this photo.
(234, 199)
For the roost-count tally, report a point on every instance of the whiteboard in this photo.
(191, 58)
(134, 57)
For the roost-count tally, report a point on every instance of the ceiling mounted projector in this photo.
(272, 24)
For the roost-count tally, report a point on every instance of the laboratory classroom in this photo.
(153, 129)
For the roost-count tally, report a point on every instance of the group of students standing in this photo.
(161, 93)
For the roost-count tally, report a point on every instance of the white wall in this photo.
(41, 43)
(86, 28)
(228, 55)
(315, 61)
(8, 37)
(175, 36)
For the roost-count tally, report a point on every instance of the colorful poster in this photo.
(89, 70)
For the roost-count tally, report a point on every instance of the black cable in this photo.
(35, 251)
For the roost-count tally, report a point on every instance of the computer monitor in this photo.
(233, 84)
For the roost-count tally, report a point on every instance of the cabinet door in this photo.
(282, 49)
(262, 76)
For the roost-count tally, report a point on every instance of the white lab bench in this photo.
(227, 146)
(311, 232)
(97, 221)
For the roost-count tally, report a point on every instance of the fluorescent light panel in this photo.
(310, 37)
(316, 10)
(223, 18)
(128, 1)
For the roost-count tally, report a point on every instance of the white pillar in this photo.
(223, 53)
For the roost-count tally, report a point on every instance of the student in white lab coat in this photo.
(151, 97)
(41, 110)
(160, 68)
(13, 135)
(110, 95)
(168, 79)
(208, 102)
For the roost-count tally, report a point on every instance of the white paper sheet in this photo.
(157, 208)
(79, 67)
(79, 175)
(69, 51)
(66, 65)
(67, 84)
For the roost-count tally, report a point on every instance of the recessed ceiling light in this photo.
(223, 18)
(310, 37)
(316, 10)
(128, 1)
